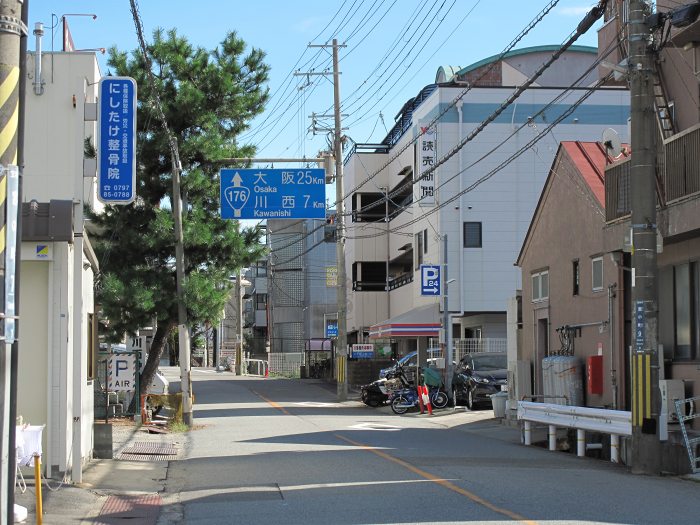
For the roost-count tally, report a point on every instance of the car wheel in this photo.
(470, 399)
(455, 398)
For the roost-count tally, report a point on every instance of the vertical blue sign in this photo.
(332, 328)
(116, 140)
(639, 326)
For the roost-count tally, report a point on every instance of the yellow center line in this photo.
(272, 403)
(440, 481)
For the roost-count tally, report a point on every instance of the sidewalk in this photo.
(112, 490)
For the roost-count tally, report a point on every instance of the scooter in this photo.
(378, 393)
(375, 394)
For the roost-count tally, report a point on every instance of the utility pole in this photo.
(646, 449)
(239, 300)
(13, 31)
(342, 347)
(446, 324)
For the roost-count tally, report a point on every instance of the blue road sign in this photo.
(332, 328)
(116, 140)
(429, 279)
(273, 194)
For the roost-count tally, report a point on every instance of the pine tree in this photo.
(209, 98)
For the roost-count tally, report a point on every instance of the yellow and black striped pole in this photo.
(12, 28)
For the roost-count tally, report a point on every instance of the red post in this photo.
(420, 398)
(428, 403)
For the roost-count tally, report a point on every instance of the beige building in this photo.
(58, 266)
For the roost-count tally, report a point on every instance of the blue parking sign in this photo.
(116, 140)
(429, 279)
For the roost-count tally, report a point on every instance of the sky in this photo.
(394, 48)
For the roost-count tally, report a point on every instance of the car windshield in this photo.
(489, 362)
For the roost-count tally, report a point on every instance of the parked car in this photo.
(477, 376)
(409, 362)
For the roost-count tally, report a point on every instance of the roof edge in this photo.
(525, 51)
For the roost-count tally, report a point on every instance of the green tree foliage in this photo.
(209, 98)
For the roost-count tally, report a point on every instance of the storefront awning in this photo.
(423, 321)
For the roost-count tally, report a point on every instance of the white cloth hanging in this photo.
(28, 443)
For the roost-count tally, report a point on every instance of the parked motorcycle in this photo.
(406, 398)
(376, 393)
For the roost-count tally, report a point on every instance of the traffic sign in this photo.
(273, 193)
(116, 140)
(429, 279)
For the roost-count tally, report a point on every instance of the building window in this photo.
(686, 292)
(597, 274)
(419, 249)
(261, 270)
(92, 345)
(472, 235)
(260, 301)
(540, 286)
(576, 274)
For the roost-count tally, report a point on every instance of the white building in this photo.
(485, 222)
(58, 324)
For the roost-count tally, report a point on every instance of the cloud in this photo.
(304, 25)
(574, 11)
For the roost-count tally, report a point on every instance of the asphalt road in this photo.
(284, 451)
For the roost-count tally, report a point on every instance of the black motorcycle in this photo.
(378, 393)
(375, 394)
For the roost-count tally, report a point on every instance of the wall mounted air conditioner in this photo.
(672, 389)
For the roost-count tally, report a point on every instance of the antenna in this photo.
(612, 143)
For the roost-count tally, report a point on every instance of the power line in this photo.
(449, 106)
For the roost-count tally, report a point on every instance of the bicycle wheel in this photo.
(399, 405)
(440, 399)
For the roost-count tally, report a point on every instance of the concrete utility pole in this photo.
(13, 29)
(239, 307)
(342, 348)
(446, 323)
(646, 450)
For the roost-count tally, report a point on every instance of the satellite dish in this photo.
(612, 143)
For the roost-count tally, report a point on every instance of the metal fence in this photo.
(468, 346)
(286, 364)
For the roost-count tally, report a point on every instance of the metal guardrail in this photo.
(614, 422)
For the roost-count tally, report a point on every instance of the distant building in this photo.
(301, 282)
(482, 198)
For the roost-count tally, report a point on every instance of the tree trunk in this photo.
(162, 332)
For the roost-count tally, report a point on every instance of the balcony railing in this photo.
(678, 169)
(400, 280)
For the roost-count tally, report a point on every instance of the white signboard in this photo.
(121, 373)
(426, 156)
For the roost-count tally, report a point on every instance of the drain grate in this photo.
(144, 457)
(145, 451)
